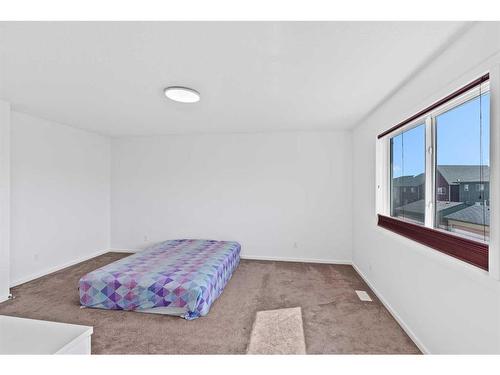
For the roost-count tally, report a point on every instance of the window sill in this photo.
(473, 252)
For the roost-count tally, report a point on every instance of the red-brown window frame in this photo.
(467, 250)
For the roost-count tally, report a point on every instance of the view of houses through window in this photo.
(408, 174)
(461, 170)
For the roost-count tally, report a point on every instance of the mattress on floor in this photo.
(181, 276)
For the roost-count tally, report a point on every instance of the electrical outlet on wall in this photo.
(146, 238)
(295, 245)
(36, 257)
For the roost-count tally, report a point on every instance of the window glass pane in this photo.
(408, 175)
(463, 169)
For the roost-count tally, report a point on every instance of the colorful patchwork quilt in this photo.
(185, 275)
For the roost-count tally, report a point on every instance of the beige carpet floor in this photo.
(334, 319)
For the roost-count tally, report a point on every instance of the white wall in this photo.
(447, 305)
(281, 195)
(59, 197)
(4, 198)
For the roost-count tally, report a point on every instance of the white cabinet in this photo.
(30, 336)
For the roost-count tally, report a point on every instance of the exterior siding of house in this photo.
(442, 184)
(459, 190)
(473, 195)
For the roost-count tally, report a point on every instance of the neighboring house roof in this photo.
(473, 214)
(469, 214)
(418, 207)
(464, 173)
(409, 181)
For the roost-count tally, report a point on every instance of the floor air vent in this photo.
(363, 296)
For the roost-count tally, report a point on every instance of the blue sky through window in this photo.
(408, 150)
(458, 140)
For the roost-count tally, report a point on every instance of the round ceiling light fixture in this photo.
(182, 94)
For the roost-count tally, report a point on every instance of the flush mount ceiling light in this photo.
(182, 94)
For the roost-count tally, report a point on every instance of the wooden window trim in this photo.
(473, 252)
(439, 103)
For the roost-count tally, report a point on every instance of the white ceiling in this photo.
(109, 77)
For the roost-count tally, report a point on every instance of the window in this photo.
(462, 156)
(432, 159)
(408, 171)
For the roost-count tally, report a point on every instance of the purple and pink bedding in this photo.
(181, 276)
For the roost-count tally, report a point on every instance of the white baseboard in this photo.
(261, 257)
(393, 312)
(59, 267)
(123, 250)
(302, 260)
(4, 298)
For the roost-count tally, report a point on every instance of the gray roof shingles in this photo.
(477, 214)
(464, 173)
(470, 214)
(418, 207)
(409, 180)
